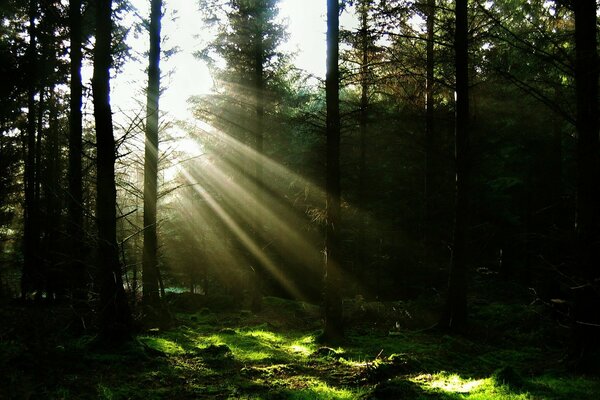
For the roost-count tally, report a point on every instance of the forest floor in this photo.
(512, 351)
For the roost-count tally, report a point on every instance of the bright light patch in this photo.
(449, 383)
(265, 335)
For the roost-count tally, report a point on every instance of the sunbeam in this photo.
(264, 220)
(245, 238)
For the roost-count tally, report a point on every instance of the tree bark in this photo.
(115, 317)
(455, 313)
(429, 147)
(586, 312)
(75, 198)
(259, 88)
(363, 129)
(55, 283)
(30, 217)
(150, 296)
(334, 329)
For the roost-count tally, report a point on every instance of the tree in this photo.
(247, 40)
(115, 317)
(455, 313)
(31, 275)
(429, 129)
(75, 196)
(149, 261)
(587, 316)
(333, 311)
(363, 54)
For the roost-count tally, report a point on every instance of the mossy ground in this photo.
(511, 352)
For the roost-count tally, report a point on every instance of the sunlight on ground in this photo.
(449, 383)
(164, 345)
(307, 387)
(298, 348)
(265, 336)
(467, 388)
(251, 346)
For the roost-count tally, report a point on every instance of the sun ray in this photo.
(245, 239)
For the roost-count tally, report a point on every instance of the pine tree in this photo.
(149, 261)
(587, 300)
(248, 41)
(75, 195)
(455, 313)
(115, 316)
(334, 329)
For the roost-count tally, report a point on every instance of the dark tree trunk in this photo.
(429, 147)
(53, 197)
(556, 156)
(455, 313)
(41, 217)
(115, 317)
(75, 230)
(150, 296)
(363, 126)
(259, 88)
(334, 329)
(30, 235)
(587, 304)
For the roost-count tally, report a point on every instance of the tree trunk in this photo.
(55, 277)
(115, 317)
(586, 313)
(150, 296)
(363, 126)
(455, 313)
(259, 88)
(75, 198)
(30, 218)
(429, 147)
(334, 329)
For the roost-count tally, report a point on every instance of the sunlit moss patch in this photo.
(163, 345)
(303, 346)
(458, 387)
(449, 382)
(264, 336)
(307, 387)
(253, 346)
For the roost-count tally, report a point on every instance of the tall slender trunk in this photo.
(363, 127)
(429, 126)
(587, 302)
(115, 316)
(455, 313)
(41, 256)
(150, 274)
(556, 155)
(75, 230)
(259, 88)
(55, 277)
(30, 218)
(334, 328)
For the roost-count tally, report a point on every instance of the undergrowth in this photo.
(275, 355)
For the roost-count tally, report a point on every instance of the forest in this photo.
(420, 221)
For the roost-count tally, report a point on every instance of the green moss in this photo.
(302, 347)
(309, 388)
(571, 387)
(163, 345)
(459, 387)
(269, 356)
